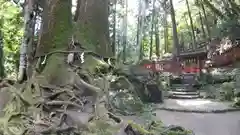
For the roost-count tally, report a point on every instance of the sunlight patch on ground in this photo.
(193, 102)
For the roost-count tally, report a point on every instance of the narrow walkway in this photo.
(204, 124)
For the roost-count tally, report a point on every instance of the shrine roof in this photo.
(193, 53)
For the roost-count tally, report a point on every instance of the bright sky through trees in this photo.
(133, 4)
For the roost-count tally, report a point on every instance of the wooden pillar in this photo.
(199, 63)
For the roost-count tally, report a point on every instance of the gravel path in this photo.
(204, 124)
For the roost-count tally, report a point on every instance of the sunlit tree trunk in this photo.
(77, 10)
(152, 27)
(191, 24)
(27, 41)
(174, 27)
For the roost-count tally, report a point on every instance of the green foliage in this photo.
(227, 91)
(11, 26)
(226, 28)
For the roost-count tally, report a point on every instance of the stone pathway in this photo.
(196, 105)
(204, 124)
(201, 123)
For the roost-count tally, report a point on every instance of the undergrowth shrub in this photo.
(227, 91)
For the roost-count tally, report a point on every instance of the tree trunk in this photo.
(55, 35)
(165, 15)
(206, 20)
(57, 27)
(165, 33)
(26, 50)
(174, 27)
(181, 42)
(142, 52)
(152, 26)
(138, 35)
(92, 26)
(2, 72)
(191, 23)
(202, 26)
(189, 31)
(114, 28)
(125, 30)
(77, 10)
(157, 40)
(140, 29)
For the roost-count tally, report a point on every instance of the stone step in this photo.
(184, 89)
(184, 93)
(185, 96)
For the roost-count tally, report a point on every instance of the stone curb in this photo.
(198, 111)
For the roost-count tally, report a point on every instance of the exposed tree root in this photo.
(43, 108)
